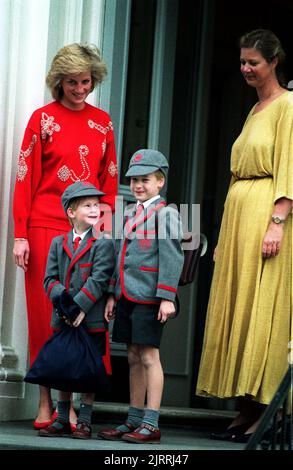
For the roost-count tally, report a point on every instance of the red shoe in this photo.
(41, 425)
(83, 431)
(73, 427)
(114, 434)
(136, 436)
(54, 415)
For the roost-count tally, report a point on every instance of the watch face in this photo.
(277, 220)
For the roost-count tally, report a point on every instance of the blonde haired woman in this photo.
(65, 141)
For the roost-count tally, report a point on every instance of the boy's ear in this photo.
(161, 182)
(70, 213)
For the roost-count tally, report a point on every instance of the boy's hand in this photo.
(110, 308)
(78, 319)
(167, 310)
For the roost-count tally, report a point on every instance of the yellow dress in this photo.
(249, 318)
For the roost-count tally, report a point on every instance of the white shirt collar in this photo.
(81, 235)
(148, 202)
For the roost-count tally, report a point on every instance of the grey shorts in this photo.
(137, 324)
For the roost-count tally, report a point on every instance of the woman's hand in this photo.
(21, 252)
(272, 240)
(109, 313)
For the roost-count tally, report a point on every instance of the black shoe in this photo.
(228, 433)
(241, 437)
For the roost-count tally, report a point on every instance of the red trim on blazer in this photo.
(66, 247)
(145, 268)
(96, 330)
(90, 296)
(162, 286)
(123, 284)
(85, 249)
(51, 286)
(75, 259)
(85, 265)
(131, 299)
(147, 216)
(124, 248)
(90, 330)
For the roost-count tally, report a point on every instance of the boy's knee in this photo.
(149, 358)
(133, 356)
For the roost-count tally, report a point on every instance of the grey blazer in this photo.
(149, 255)
(85, 274)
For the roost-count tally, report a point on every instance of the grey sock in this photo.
(85, 413)
(134, 417)
(63, 408)
(151, 417)
(57, 424)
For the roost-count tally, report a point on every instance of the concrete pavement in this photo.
(182, 429)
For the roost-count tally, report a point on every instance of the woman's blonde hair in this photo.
(72, 59)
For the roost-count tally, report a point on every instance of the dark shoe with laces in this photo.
(153, 437)
(83, 431)
(115, 434)
(53, 431)
(228, 433)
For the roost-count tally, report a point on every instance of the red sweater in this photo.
(61, 146)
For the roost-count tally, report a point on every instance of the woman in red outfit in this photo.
(65, 141)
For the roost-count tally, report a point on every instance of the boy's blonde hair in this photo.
(73, 59)
(159, 174)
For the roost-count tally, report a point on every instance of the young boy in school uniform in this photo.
(79, 269)
(148, 269)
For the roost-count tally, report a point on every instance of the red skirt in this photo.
(39, 306)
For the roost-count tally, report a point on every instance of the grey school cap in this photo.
(147, 161)
(79, 189)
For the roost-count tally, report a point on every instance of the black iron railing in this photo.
(275, 432)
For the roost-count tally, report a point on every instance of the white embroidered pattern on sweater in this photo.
(22, 167)
(48, 126)
(112, 168)
(103, 130)
(64, 173)
(104, 145)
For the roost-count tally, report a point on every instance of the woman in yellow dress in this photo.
(249, 318)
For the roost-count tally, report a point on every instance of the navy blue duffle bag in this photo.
(70, 361)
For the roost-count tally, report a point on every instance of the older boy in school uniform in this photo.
(147, 273)
(79, 266)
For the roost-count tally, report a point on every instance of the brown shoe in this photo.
(136, 436)
(52, 431)
(83, 431)
(115, 434)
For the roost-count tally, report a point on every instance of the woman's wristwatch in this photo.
(278, 220)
